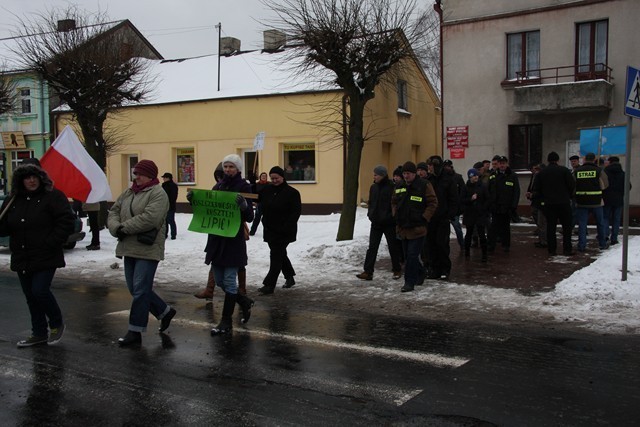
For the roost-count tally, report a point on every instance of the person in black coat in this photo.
(382, 223)
(613, 198)
(171, 188)
(281, 208)
(438, 230)
(475, 205)
(554, 187)
(38, 219)
(504, 194)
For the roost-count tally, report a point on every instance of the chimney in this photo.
(65, 25)
(274, 39)
(229, 45)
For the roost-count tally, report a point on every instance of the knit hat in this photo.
(235, 159)
(422, 165)
(380, 170)
(146, 168)
(397, 171)
(472, 172)
(409, 167)
(277, 170)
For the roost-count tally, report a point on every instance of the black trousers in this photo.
(500, 229)
(395, 247)
(437, 244)
(278, 262)
(562, 213)
(94, 227)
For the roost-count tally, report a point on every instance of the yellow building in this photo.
(189, 124)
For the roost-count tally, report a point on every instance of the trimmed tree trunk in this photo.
(352, 174)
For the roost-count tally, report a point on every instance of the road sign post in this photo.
(631, 110)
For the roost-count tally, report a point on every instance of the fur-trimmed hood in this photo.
(24, 171)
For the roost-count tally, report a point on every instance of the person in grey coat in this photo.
(139, 209)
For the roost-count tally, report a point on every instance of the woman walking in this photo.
(140, 212)
(38, 219)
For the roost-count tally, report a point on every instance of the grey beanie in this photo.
(380, 170)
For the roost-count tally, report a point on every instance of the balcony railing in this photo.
(565, 74)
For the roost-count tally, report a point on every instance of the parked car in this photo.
(76, 236)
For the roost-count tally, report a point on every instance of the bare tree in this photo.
(91, 68)
(7, 93)
(359, 41)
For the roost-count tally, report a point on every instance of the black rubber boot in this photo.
(225, 326)
(245, 304)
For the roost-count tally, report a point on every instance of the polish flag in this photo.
(73, 171)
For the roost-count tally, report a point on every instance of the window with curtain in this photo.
(523, 55)
(591, 49)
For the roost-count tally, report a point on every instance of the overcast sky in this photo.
(176, 28)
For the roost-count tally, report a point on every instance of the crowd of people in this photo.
(416, 208)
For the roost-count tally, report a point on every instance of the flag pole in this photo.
(6, 208)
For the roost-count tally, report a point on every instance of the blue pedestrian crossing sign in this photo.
(632, 91)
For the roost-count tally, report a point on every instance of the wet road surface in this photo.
(297, 365)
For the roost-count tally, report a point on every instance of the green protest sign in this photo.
(215, 212)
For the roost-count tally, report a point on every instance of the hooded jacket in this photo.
(613, 195)
(38, 222)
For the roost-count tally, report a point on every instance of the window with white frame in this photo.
(300, 162)
(17, 156)
(25, 100)
(523, 55)
(402, 95)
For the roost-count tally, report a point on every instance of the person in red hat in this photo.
(140, 211)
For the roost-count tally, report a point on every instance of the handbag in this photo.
(146, 237)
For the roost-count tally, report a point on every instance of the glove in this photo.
(189, 196)
(241, 202)
(120, 234)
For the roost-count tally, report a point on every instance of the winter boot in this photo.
(242, 282)
(207, 293)
(245, 304)
(225, 326)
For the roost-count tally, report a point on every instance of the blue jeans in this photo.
(583, 216)
(413, 268)
(139, 274)
(611, 217)
(226, 278)
(458, 229)
(42, 304)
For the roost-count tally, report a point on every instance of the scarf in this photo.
(138, 188)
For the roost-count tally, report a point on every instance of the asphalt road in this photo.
(303, 365)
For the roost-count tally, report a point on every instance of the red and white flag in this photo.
(73, 171)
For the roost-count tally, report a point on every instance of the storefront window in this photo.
(186, 165)
(300, 162)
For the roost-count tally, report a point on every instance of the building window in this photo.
(591, 49)
(300, 162)
(525, 146)
(186, 165)
(523, 55)
(18, 156)
(402, 96)
(25, 101)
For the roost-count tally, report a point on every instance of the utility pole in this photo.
(219, 27)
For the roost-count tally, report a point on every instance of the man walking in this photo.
(281, 208)
(382, 223)
(553, 187)
(414, 203)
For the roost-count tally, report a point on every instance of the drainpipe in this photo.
(42, 121)
(438, 8)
